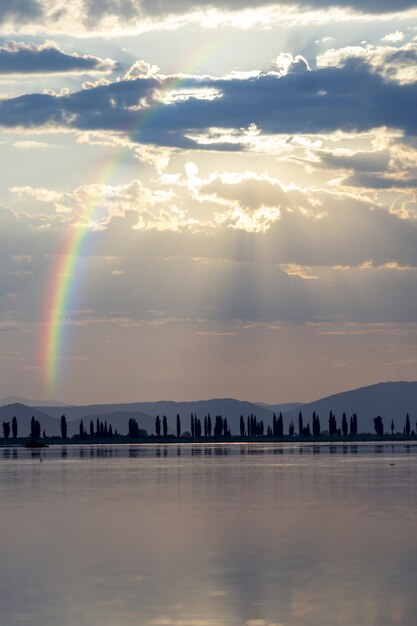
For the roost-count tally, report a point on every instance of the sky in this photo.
(213, 199)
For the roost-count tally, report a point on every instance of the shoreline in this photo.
(76, 441)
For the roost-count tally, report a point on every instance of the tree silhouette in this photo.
(392, 427)
(14, 428)
(300, 424)
(379, 425)
(344, 425)
(218, 426)
(91, 429)
(291, 429)
(192, 426)
(133, 432)
(158, 426)
(6, 430)
(82, 432)
(354, 425)
(407, 425)
(332, 424)
(242, 426)
(64, 427)
(35, 429)
(209, 425)
(165, 426)
(280, 426)
(316, 425)
(178, 425)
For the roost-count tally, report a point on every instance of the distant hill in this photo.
(27, 402)
(119, 420)
(227, 407)
(281, 407)
(24, 415)
(389, 400)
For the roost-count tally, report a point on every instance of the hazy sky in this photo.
(223, 193)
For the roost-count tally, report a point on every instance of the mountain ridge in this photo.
(390, 400)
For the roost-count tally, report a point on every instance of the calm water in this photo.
(233, 535)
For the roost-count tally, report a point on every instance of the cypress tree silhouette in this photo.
(35, 429)
(300, 424)
(280, 426)
(316, 425)
(407, 425)
(178, 425)
(197, 426)
(192, 426)
(209, 425)
(291, 429)
(6, 430)
(14, 427)
(82, 433)
(344, 425)
(379, 425)
(354, 425)
(158, 426)
(332, 424)
(91, 429)
(98, 427)
(64, 427)
(392, 428)
(133, 429)
(218, 426)
(165, 426)
(242, 426)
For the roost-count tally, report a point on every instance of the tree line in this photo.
(251, 427)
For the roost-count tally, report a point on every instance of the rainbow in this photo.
(63, 279)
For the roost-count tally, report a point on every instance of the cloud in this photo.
(49, 58)
(350, 97)
(393, 63)
(336, 258)
(27, 145)
(394, 37)
(91, 17)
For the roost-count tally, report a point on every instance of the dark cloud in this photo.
(20, 11)
(33, 11)
(21, 58)
(372, 181)
(158, 7)
(350, 98)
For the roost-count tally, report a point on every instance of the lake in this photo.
(209, 535)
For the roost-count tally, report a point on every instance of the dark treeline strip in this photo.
(250, 429)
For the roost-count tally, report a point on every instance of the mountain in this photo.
(119, 420)
(227, 407)
(24, 415)
(281, 407)
(392, 401)
(27, 402)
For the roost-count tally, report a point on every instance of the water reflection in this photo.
(229, 535)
